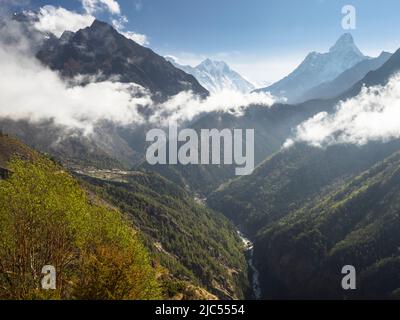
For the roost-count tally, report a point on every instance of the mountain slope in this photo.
(11, 147)
(68, 148)
(193, 242)
(291, 183)
(290, 178)
(216, 76)
(101, 51)
(272, 126)
(316, 69)
(347, 79)
(47, 218)
(356, 224)
(195, 246)
(379, 76)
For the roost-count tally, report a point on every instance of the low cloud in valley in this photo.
(373, 115)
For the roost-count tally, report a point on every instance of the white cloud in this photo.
(30, 91)
(185, 106)
(93, 6)
(120, 23)
(187, 58)
(173, 58)
(58, 20)
(137, 37)
(373, 115)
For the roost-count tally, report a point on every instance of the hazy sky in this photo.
(262, 39)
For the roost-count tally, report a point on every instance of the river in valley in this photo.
(249, 248)
(255, 275)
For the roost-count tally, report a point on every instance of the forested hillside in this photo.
(290, 178)
(48, 219)
(357, 224)
(272, 125)
(192, 241)
(135, 237)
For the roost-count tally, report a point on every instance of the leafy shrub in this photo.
(46, 218)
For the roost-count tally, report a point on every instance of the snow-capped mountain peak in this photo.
(345, 43)
(212, 66)
(216, 76)
(318, 68)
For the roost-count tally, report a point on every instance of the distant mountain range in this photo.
(216, 76)
(316, 69)
(125, 147)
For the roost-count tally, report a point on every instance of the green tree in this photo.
(46, 218)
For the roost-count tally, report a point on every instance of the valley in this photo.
(85, 158)
(254, 273)
(180, 232)
(123, 177)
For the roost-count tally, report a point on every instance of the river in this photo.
(255, 275)
(249, 248)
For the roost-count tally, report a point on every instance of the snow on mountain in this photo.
(346, 79)
(318, 68)
(216, 76)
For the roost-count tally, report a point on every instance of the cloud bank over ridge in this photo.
(29, 90)
(373, 115)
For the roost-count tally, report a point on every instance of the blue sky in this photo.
(262, 39)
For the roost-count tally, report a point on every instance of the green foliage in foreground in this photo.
(47, 219)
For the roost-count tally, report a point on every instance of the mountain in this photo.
(22, 24)
(89, 239)
(193, 246)
(69, 148)
(272, 126)
(101, 53)
(216, 76)
(308, 210)
(305, 228)
(356, 224)
(379, 76)
(311, 211)
(99, 50)
(290, 178)
(347, 79)
(316, 69)
(194, 243)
